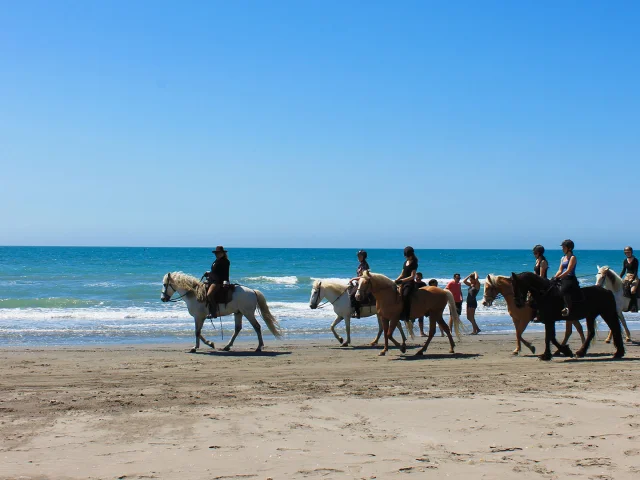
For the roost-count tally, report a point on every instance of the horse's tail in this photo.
(409, 325)
(269, 319)
(453, 311)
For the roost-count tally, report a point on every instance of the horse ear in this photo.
(489, 279)
(514, 277)
(598, 267)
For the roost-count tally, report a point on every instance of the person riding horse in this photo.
(406, 280)
(217, 276)
(629, 276)
(566, 276)
(362, 258)
(541, 265)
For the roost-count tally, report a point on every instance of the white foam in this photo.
(342, 281)
(289, 280)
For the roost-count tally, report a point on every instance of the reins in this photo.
(327, 302)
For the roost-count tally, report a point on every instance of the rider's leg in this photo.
(406, 299)
(211, 292)
(566, 286)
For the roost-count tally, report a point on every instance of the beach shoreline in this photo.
(312, 409)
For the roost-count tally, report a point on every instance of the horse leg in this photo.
(199, 322)
(333, 328)
(380, 330)
(347, 325)
(591, 332)
(578, 325)
(627, 333)
(432, 332)
(385, 325)
(404, 337)
(549, 333)
(238, 327)
(392, 326)
(256, 326)
(613, 322)
(563, 348)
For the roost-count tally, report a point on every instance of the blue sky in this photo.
(473, 124)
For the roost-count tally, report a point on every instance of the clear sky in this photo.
(446, 124)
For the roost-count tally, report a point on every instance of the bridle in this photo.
(165, 297)
(316, 295)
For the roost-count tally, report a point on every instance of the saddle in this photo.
(626, 288)
(224, 293)
(368, 301)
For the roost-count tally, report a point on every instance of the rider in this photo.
(566, 275)
(630, 276)
(407, 280)
(362, 266)
(541, 265)
(218, 275)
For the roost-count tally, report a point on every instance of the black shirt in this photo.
(361, 268)
(536, 268)
(220, 270)
(631, 268)
(420, 284)
(409, 267)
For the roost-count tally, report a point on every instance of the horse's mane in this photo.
(500, 281)
(611, 275)
(190, 284)
(337, 287)
(381, 279)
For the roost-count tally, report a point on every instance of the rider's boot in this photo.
(567, 306)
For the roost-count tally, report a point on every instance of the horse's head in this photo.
(519, 290)
(315, 294)
(167, 288)
(603, 273)
(364, 285)
(491, 292)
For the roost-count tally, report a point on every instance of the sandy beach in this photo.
(315, 410)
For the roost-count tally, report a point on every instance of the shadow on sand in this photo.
(245, 353)
(438, 356)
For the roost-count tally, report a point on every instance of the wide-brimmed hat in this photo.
(219, 248)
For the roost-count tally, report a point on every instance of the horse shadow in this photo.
(222, 353)
(438, 356)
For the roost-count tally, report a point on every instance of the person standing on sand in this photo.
(456, 289)
(419, 283)
(473, 283)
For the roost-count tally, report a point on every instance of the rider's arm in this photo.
(466, 281)
(570, 267)
(624, 268)
(557, 275)
(544, 266)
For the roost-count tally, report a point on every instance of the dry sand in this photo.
(315, 410)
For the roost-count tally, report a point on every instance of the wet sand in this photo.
(315, 410)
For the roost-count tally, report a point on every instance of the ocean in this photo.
(100, 295)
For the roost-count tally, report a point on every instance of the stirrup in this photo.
(565, 312)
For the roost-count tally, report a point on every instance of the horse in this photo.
(610, 280)
(425, 301)
(336, 294)
(244, 301)
(497, 285)
(596, 301)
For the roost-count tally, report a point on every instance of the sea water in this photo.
(99, 295)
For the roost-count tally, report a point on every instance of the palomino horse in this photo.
(610, 280)
(425, 301)
(595, 301)
(497, 285)
(336, 294)
(244, 301)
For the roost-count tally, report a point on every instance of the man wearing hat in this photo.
(217, 276)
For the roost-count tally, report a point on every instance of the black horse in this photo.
(596, 301)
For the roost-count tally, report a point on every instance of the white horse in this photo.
(336, 294)
(610, 280)
(244, 301)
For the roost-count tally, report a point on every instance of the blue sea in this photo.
(91, 295)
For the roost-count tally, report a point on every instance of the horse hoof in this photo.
(628, 339)
(557, 353)
(193, 350)
(618, 355)
(212, 346)
(451, 351)
(608, 340)
(533, 349)
(515, 352)
(419, 353)
(259, 349)
(567, 352)
(579, 354)
(341, 340)
(403, 348)
(373, 344)
(382, 353)
(545, 357)
(227, 348)
(344, 344)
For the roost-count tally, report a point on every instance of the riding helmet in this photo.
(363, 253)
(539, 249)
(568, 243)
(408, 251)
